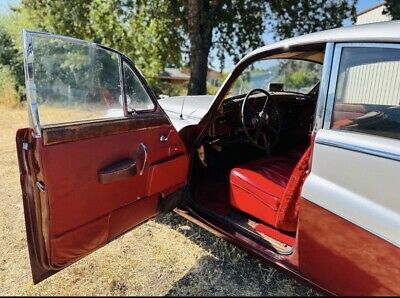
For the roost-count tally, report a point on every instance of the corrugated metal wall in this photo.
(377, 83)
(373, 16)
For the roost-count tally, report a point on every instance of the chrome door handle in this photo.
(143, 147)
(164, 138)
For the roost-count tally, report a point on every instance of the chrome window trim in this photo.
(33, 112)
(62, 37)
(377, 148)
(332, 86)
(323, 86)
(335, 72)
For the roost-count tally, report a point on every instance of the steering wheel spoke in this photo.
(257, 126)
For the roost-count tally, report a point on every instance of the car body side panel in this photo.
(356, 176)
(348, 238)
(344, 258)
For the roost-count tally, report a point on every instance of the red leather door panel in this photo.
(77, 212)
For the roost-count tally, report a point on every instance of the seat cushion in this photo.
(257, 187)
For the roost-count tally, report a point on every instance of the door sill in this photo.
(205, 217)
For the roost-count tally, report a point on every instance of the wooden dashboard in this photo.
(296, 112)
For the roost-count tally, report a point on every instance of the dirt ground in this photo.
(166, 256)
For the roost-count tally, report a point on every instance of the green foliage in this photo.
(155, 38)
(298, 79)
(8, 93)
(75, 69)
(155, 34)
(298, 76)
(298, 17)
(392, 8)
(64, 17)
(152, 33)
(11, 60)
(211, 89)
(166, 88)
(238, 28)
(143, 30)
(14, 22)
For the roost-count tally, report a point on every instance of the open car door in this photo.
(100, 156)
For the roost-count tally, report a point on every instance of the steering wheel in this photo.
(262, 127)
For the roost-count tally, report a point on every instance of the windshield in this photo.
(278, 75)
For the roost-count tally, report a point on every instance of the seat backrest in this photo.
(289, 207)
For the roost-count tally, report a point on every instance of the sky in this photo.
(267, 37)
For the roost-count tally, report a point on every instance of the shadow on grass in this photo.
(228, 270)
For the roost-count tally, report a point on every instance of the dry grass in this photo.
(9, 96)
(167, 256)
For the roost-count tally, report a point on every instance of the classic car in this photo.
(296, 159)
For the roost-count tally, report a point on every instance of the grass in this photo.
(166, 256)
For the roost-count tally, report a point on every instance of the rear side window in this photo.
(367, 93)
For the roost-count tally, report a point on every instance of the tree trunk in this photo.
(200, 36)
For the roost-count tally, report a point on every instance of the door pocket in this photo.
(167, 175)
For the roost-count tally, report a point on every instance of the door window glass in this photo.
(367, 93)
(137, 98)
(75, 81)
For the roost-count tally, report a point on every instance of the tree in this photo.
(392, 8)
(154, 33)
(237, 27)
(143, 30)
(11, 58)
(298, 17)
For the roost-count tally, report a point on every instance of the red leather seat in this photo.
(268, 189)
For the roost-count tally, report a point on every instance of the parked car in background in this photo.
(296, 159)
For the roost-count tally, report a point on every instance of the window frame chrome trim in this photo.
(332, 86)
(323, 87)
(335, 72)
(359, 148)
(33, 112)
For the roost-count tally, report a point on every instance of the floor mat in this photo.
(214, 195)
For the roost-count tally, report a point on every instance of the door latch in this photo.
(26, 145)
(164, 138)
(40, 185)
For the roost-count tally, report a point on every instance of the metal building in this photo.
(378, 76)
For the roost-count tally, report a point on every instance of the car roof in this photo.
(375, 32)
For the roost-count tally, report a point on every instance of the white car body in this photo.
(186, 110)
(181, 110)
